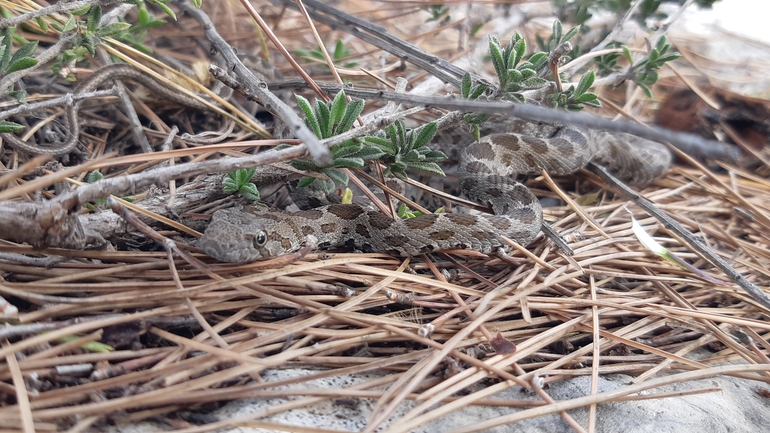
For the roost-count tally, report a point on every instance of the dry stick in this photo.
(22, 398)
(318, 151)
(677, 228)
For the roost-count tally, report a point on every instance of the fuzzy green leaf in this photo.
(20, 64)
(306, 182)
(324, 118)
(310, 119)
(424, 134)
(348, 162)
(586, 81)
(94, 16)
(497, 59)
(465, 85)
(533, 83)
(587, 97)
(337, 176)
(337, 111)
(10, 127)
(229, 186)
(429, 167)
(249, 191)
(303, 164)
(170, 12)
(352, 112)
(477, 91)
(627, 54)
(69, 25)
(556, 36)
(112, 29)
(26, 50)
(571, 33)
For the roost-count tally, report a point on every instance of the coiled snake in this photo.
(486, 174)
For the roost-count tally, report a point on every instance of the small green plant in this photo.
(136, 35)
(608, 63)
(403, 149)
(99, 203)
(239, 181)
(515, 77)
(404, 212)
(338, 55)
(646, 70)
(327, 120)
(574, 98)
(438, 13)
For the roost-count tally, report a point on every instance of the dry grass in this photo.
(196, 333)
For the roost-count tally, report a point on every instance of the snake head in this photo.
(238, 236)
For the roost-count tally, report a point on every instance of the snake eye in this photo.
(260, 239)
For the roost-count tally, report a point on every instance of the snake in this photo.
(91, 83)
(487, 172)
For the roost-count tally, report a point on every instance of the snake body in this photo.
(486, 174)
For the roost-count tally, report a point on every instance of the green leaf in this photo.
(424, 134)
(10, 127)
(518, 49)
(497, 58)
(20, 64)
(249, 191)
(303, 164)
(586, 97)
(556, 36)
(171, 13)
(94, 176)
(370, 153)
(513, 76)
(585, 83)
(477, 91)
(533, 83)
(26, 50)
(94, 16)
(593, 103)
(324, 118)
(337, 111)
(627, 54)
(668, 57)
(337, 176)
(43, 25)
(348, 162)
(70, 24)
(305, 182)
(352, 112)
(310, 119)
(81, 10)
(112, 29)
(244, 175)
(466, 84)
(571, 33)
(538, 60)
(197, 3)
(429, 167)
(229, 185)
(143, 15)
(346, 149)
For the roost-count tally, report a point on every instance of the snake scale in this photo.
(486, 171)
